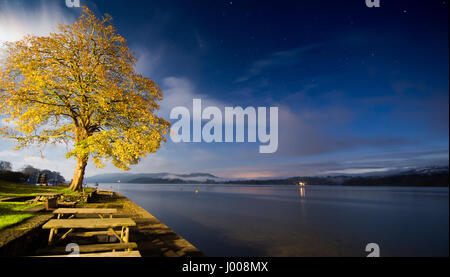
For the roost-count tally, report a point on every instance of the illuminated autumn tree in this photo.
(78, 86)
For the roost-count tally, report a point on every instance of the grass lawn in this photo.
(12, 212)
(8, 189)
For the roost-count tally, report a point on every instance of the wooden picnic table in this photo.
(76, 211)
(91, 223)
(44, 196)
(50, 194)
(109, 192)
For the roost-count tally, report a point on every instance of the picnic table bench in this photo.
(50, 199)
(91, 223)
(43, 196)
(90, 248)
(84, 211)
(67, 204)
(129, 254)
(109, 192)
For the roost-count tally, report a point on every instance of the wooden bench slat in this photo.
(49, 194)
(89, 223)
(67, 204)
(130, 254)
(84, 211)
(95, 248)
(105, 192)
(90, 234)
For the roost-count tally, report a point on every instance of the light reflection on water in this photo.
(302, 192)
(245, 220)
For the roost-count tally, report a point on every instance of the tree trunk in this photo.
(78, 176)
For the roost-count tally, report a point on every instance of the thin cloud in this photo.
(16, 20)
(276, 59)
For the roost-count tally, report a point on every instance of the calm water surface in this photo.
(242, 220)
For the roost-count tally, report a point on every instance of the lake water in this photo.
(243, 220)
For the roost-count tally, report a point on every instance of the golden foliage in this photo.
(79, 85)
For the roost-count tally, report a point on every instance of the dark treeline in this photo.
(13, 176)
(145, 180)
(28, 174)
(415, 180)
(290, 181)
(314, 181)
(410, 180)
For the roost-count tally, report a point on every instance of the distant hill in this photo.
(429, 176)
(412, 180)
(151, 178)
(418, 177)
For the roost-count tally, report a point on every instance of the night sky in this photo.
(358, 89)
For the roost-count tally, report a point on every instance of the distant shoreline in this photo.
(434, 176)
(412, 180)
